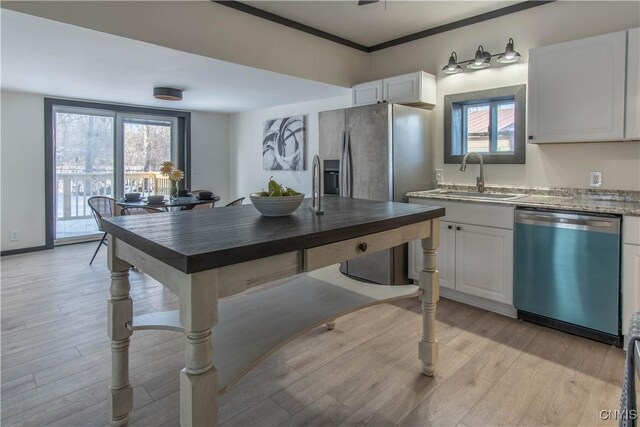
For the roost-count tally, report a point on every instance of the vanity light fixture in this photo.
(482, 59)
(167, 93)
(452, 67)
(510, 55)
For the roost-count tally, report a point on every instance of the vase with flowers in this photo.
(169, 170)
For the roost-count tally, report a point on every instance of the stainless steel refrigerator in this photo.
(376, 152)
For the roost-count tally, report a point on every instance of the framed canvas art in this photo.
(283, 144)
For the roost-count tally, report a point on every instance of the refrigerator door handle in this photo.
(348, 166)
(341, 172)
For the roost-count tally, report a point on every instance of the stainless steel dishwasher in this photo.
(567, 272)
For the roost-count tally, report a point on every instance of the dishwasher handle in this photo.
(571, 221)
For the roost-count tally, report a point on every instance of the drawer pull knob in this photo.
(362, 247)
(450, 227)
(458, 228)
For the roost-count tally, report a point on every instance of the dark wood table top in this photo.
(169, 202)
(199, 240)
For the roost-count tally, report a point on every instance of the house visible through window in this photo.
(490, 122)
(489, 127)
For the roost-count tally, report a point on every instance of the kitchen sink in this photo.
(486, 196)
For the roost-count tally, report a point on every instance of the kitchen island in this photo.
(204, 256)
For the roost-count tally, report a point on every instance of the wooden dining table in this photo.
(184, 202)
(204, 256)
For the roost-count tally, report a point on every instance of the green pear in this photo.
(273, 186)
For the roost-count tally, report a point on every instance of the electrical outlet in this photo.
(15, 235)
(595, 179)
(439, 175)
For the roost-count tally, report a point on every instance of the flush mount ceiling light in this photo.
(452, 67)
(167, 93)
(510, 55)
(482, 59)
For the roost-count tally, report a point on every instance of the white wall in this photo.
(245, 145)
(22, 160)
(22, 175)
(210, 153)
(554, 165)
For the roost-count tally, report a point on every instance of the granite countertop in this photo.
(583, 200)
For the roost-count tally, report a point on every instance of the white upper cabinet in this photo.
(632, 122)
(417, 89)
(367, 93)
(577, 90)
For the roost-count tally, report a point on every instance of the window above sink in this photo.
(490, 122)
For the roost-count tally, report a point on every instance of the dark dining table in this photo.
(185, 202)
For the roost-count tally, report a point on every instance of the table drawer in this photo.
(333, 253)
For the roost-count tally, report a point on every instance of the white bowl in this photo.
(155, 200)
(276, 206)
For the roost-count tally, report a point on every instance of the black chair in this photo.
(237, 202)
(101, 207)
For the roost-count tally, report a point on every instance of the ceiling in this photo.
(48, 57)
(376, 23)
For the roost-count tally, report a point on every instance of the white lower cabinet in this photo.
(630, 283)
(473, 260)
(630, 270)
(484, 262)
(446, 255)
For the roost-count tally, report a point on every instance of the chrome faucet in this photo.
(480, 179)
(316, 187)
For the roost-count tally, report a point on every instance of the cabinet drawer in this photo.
(631, 230)
(473, 213)
(333, 253)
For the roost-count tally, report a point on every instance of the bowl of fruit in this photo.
(277, 200)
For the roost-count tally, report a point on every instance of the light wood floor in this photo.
(493, 370)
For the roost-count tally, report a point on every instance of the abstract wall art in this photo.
(283, 144)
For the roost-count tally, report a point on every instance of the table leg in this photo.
(120, 315)
(331, 324)
(430, 285)
(199, 378)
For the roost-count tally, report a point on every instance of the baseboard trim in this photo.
(23, 250)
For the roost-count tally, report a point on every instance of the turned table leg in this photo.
(430, 285)
(120, 315)
(199, 378)
(331, 325)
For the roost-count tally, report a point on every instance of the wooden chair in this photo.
(101, 207)
(236, 202)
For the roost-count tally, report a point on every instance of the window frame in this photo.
(455, 136)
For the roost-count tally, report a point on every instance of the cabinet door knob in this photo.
(362, 247)
(450, 227)
(458, 228)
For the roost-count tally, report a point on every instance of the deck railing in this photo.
(74, 189)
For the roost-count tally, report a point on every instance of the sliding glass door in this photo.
(145, 142)
(84, 167)
(106, 153)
